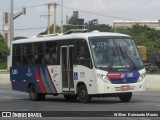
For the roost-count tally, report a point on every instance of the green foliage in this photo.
(144, 36)
(4, 51)
(51, 30)
(101, 28)
(3, 64)
(65, 29)
(68, 27)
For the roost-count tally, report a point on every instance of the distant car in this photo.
(151, 68)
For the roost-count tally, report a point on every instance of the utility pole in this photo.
(49, 6)
(11, 30)
(11, 24)
(55, 7)
(61, 16)
(9, 61)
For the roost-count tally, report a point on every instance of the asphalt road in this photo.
(19, 101)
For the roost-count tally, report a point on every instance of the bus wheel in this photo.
(34, 96)
(70, 97)
(83, 94)
(125, 97)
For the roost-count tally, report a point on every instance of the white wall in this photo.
(153, 82)
(4, 79)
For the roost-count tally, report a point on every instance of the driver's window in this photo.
(82, 53)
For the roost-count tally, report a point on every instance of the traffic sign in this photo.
(6, 27)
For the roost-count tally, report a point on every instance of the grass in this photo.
(3, 64)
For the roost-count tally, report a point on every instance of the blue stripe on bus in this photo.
(125, 77)
(49, 79)
(25, 75)
(45, 83)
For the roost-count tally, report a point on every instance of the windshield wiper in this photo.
(125, 55)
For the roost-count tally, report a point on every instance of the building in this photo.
(129, 24)
(75, 20)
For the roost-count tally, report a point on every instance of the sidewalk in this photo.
(4, 79)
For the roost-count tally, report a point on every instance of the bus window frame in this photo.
(33, 53)
(85, 44)
(59, 43)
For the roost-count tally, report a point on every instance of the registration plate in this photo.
(125, 87)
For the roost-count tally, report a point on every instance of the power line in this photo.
(94, 13)
(37, 28)
(34, 6)
(30, 28)
(84, 11)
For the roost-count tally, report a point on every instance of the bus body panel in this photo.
(105, 85)
(85, 75)
(39, 76)
(47, 79)
(55, 73)
(20, 80)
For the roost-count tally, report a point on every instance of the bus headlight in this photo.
(141, 77)
(106, 79)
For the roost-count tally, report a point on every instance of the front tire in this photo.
(34, 96)
(83, 94)
(126, 97)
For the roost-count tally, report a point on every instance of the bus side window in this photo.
(83, 56)
(17, 59)
(51, 53)
(39, 48)
(39, 59)
(39, 53)
(28, 60)
(28, 54)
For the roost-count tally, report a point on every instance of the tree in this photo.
(51, 30)
(144, 36)
(68, 27)
(4, 51)
(101, 28)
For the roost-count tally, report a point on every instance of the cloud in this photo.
(131, 9)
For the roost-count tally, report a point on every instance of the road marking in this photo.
(158, 105)
(22, 109)
(6, 97)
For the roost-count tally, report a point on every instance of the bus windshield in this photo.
(115, 54)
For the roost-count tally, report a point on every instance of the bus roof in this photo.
(69, 36)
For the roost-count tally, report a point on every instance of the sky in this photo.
(106, 11)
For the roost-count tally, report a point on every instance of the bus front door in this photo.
(67, 57)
